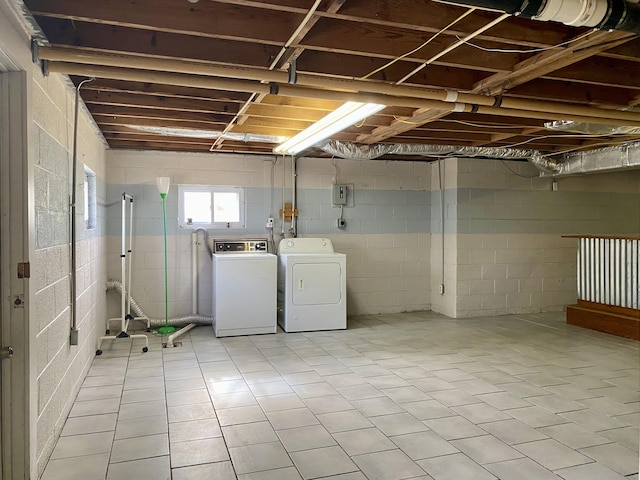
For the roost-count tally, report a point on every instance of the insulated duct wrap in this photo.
(591, 128)
(545, 165)
(209, 134)
(370, 152)
(601, 160)
(159, 322)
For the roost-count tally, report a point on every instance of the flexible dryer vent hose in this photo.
(159, 322)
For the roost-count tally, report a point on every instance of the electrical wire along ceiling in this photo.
(245, 75)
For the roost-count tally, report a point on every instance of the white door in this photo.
(3, 273)
(14, 248)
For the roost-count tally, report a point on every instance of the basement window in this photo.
(90, 210)
(211, 207)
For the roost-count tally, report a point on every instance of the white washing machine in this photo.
(312, 285)
(244, 288)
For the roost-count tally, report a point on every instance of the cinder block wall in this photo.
(386, 240)
(508, 250)
(60, 368)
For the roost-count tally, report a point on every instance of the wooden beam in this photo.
(205, 19)
(323, 105)
(373, 41)
(356, 66)
(543, 63)
(533, 67)
(332, 7)
(115, 38)
(106, 121)
(265, 130)
(155, 89)
(135, 112)
(155, 145)
(601, 71)
(97, 97)
(287, 54)
(573, 92)
(429, 17)
(277, 123)
(284, 112)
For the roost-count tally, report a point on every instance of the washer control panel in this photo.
(240, 246)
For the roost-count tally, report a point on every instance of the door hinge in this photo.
(6, 352)
(24, 270)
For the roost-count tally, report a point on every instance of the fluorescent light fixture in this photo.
(341, 118)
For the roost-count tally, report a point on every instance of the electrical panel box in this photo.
(340, 194)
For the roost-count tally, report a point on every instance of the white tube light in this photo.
(341, 118)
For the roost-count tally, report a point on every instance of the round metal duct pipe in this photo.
(601, 14)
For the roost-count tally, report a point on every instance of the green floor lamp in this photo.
(163, 187)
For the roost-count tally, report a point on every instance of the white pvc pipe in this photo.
(123, 264)
(171, 338)
(194, 273)
(283, 183)
(129, 254)
(293, 197)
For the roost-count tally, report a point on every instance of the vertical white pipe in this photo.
(294, 233)
(194, 273)
(283, 183)
(123, 268)
(130, 259)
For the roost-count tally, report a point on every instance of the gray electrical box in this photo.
(340, 194)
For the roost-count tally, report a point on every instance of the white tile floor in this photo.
(405, 396)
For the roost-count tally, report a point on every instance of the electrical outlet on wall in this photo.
(441, 289)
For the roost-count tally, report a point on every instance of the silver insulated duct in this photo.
(369, 152)
(600, 160)
(601, 14)
(158, 322)
(591, 128)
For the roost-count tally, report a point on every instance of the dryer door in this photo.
(316, 283)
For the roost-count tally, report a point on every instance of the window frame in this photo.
(212, 189)
(90, 199)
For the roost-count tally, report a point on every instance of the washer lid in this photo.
(305, 245)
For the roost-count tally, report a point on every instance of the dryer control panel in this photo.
(305, 245)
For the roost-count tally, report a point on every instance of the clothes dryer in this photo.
(312, 285)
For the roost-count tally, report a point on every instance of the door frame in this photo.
(15, 217)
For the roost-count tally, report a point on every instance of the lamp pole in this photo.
(163, 187)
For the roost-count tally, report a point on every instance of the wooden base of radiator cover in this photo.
(623, 322)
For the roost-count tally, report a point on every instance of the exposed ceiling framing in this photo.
(212, 66)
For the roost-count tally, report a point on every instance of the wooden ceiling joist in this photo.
(504, 90)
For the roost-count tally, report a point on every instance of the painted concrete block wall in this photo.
(60, 368)
(510, 254)
(444, 245)
(135, 173)
(387, 238)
